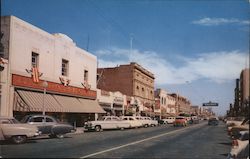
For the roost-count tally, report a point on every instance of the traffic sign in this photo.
(210, 104)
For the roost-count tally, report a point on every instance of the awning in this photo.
(91, 106)
(69, 104)
(79, 105)
(34, 101)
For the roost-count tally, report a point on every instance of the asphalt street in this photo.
(165, 141)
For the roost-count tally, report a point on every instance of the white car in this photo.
(240, 147)
(169, 120)
(147, 121)
(11, 129)
(134, 123)
(107, 122)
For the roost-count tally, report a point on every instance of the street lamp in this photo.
(44, 85)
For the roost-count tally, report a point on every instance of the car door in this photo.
(49, 123)
(39, 122)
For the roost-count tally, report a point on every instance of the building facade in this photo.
(131, 80)
(166, 103)
(46, 72)
(182, 105)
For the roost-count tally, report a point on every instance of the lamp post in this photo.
(44, 85)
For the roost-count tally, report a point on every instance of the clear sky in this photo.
(194, 47)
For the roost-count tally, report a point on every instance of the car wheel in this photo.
(60, 136)
(146, 126)
(98, 128)
(19, 139)
(122, 128)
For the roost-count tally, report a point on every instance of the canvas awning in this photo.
(91, 106)
(79, 105)
(34, 102)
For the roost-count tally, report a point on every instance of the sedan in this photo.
(180, 121)
(49, 125)
(11, 129)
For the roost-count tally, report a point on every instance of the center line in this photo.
(137, 142)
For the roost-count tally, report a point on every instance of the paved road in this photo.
(195, 141)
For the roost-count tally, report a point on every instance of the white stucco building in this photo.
(35, 56)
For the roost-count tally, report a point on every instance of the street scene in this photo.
(166, 141)
(124, 79)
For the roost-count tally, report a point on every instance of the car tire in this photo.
(146, 125)
(60, 136)
(98, 128)
(122, 128)
(19, 139)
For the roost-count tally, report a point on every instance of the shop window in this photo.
(34, 59)
(65, 67)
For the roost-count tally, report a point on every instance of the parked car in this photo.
(134, 123)
(180, 121)
(107, 122)
(48, 125)
(147, 121)
(240, 146)
(169, 120)
(234, 131)
(213, 121)
(11, 129)
(234, 121)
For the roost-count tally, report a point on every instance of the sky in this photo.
(196, 48)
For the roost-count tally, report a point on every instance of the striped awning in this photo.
(34, 101)
(26, 100)
(91, 106)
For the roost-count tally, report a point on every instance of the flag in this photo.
(35, 74)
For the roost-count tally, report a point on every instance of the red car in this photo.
(180, 121)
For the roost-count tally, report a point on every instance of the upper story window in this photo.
(65, 67)
(34, 59)
(86, 75)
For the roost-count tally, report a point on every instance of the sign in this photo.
(209, 104)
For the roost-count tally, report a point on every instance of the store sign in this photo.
(118, 100)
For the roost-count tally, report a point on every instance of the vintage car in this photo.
(169, 120)
(180, 121)
(240, 146)
(134, 123)
(213, 121)
(234, 131)
(11, 129)
(147, 121)
(107, 122)
(48, 125)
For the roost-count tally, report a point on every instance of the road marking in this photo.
(139, 141)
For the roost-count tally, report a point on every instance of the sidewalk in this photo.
(79, 130)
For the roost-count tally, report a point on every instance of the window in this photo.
(49, 120)
(34, 59)
(65, 67)
(86, 74)
(37, 119)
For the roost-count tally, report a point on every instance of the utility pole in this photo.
(131, 43)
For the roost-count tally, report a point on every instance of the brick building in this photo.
(131, 80)
(183, 105)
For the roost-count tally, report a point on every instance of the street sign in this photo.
(209, 104)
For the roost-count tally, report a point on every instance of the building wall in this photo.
(116, 79)
(27, 38)
(244, 84)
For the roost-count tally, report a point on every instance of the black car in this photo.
(49, 125)
(213, 121)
